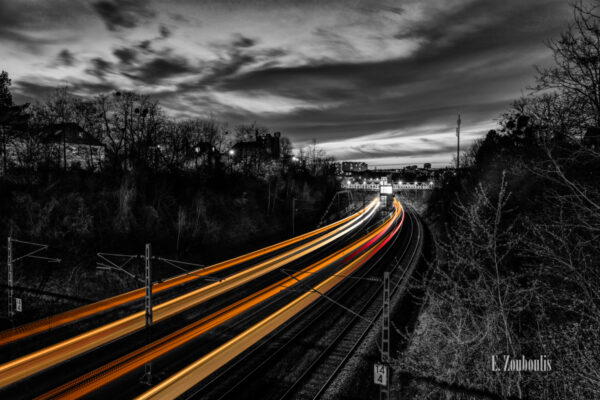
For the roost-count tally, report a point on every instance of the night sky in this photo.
(378, 81)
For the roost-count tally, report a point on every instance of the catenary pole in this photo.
(147, 378)
(9, 262)
(385, 335)
(458, 143)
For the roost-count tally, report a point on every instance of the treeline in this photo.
(136, 134)
(517, 245)
(146, 189)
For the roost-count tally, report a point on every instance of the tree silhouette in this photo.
(576, 53)
(5, 95)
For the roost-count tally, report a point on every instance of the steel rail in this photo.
(368, 327)
(123, 365)
(45, 324)
(40, 360)
(189, 376)
(313, 321)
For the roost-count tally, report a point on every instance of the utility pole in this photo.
(293, 216)
(147, 378)
(384, 393)
(9, 262)
(106, 263)
(148, 300)
(457, 143)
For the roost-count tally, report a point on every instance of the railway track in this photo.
(40, 360)
(316, 376)
(109, 361)
(52, 322)
(340, 352)
(258, 293)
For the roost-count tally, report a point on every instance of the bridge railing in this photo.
(374, 187)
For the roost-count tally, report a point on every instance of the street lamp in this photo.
(231, 152)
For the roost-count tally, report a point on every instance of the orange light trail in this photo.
(37, 361)
(21, 332)
(190, 376)
(101, 376)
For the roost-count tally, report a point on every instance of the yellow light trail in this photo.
(21, 332)
(40, 360)
(190, 376)
(107, 373)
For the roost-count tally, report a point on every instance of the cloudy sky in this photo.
(379, 81)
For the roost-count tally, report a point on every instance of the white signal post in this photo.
(380, 374)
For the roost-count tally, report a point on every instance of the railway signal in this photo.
(380, 374)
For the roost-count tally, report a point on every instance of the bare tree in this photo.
(474, 299)
(576, 73)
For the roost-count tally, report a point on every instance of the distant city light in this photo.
(294, 159)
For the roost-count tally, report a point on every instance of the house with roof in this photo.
(201, 154)
(264, 147)
(68, 145)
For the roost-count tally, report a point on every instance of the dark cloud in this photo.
(476, 60)
(65, 57)
(235, 56)
(145, 45)
(481, 25)
(230, 66)
(23, 23)
(99, 67)
(164, 31)
(473, 57)
(243, 41)
(31, 90)
(160, 68)
(375, 8)
(28, 91)
(122, 14)
(399, 150)
(178, 18)
(126, 55)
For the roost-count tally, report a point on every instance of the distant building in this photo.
(337, 168)
(264, 146)
(201, 153)
(352, 166)
(71, 146)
